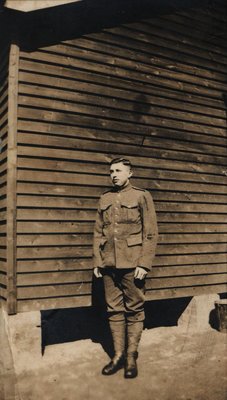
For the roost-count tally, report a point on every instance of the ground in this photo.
(175, 363)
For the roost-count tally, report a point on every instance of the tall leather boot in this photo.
(134, 332)
(118, 334)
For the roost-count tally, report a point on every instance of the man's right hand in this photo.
(97, 272)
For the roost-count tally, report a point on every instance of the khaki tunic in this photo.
(125, 233)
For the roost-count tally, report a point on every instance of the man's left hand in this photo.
(140, 273)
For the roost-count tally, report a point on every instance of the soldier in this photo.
(125, 238)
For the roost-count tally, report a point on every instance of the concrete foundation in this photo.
(8, 380)
(199, 314)
(175, 363)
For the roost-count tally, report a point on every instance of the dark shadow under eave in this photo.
(45, 27)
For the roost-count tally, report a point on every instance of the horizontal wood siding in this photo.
(151, 91)
(4, 56)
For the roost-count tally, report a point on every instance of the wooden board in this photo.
(123, 108)
(79, 90)
(4, 55)
(151, 91)
(84, 263)
(86, 301)
(86, 238)
(84, 288)
(12, 181)
(83, 227)
(103, 82)
(113, 119)
(75, 276)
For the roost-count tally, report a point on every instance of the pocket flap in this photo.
(129, 204)
(105, 205)
(134, 240)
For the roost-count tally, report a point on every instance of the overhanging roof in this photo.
(70, 19)
(32, 5)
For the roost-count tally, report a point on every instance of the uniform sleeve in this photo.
(97, 261)
(150, 231)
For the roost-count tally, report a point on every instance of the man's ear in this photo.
(130, 173)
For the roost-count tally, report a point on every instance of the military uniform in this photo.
(125, 237)
(125, 234)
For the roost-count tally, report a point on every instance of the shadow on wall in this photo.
(72, 324)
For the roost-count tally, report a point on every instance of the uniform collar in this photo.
(124, 189)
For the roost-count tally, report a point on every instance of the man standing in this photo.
(125, 238)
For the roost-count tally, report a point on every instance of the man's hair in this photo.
(122, 160)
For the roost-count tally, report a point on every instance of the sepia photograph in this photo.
(113, 199)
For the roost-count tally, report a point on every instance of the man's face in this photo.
(120, 174)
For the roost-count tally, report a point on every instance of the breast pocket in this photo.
(130, 212)
(106, 210)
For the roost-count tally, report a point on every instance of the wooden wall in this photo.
(152, 91)
(4, 56)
